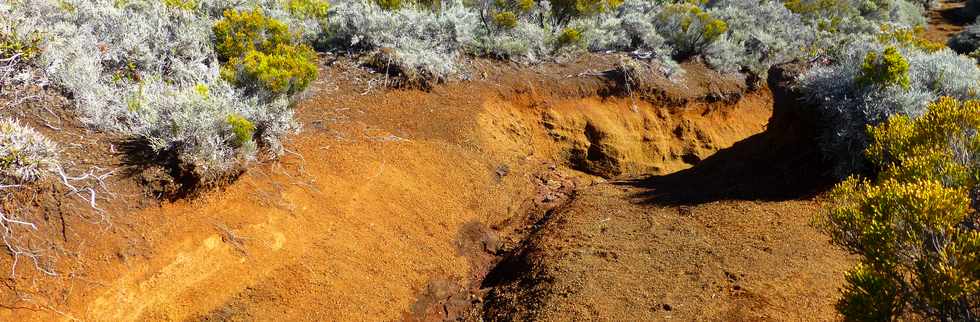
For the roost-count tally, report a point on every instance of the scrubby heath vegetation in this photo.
(915, 226)
(208, 82)
(900, 121)
(424, 43)
(427, 42)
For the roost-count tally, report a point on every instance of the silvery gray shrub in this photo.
(847, 107)
(139, 68)
(25, 154)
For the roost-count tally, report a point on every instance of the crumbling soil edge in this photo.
(790, 133)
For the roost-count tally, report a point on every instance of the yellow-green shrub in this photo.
(390, 5)
(27, 46)
(203, 90)
(260, 54)
(569, 37)
(816, 7)
(304, 9)
(885, 69)
(908, 37)
(242, 128)
(285, 70)
(689, 28)
(181, 4)
(564, 10)
(505, 19)
(914, 226)
(240, 32)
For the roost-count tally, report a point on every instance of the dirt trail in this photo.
(377, 196)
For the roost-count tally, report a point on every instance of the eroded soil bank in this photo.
(728, 239)
(400, 204)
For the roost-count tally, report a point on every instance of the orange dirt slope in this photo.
(371, 202)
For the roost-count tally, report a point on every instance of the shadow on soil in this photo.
(164, 176)
(957, 15)
(781, 163)
(753, 169)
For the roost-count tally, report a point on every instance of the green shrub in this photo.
(569, 37)
(286, 70)
(501, 15)
(564, 10)
(390, 5)
(305, 9)
(522, 6)
(885, 69)
(688, 28)
(913, 227)
(203, 90)
(241, 32)
(242, 128)
(908, 37)
(505, 19)
(261, 55)
(817, 7)
(181, 4)
(27, 46)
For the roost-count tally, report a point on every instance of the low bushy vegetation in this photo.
(137, 66)
(261, 55)
(25, 154)
(900, 120)
(732, 35)
(171, 73)
(689, 28)
(869, 82)
(914, 227)
(888, 68)
(14, 42)
(420, 43)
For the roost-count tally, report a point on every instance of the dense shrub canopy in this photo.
(688, 28)
(731, 35)
(261, 55)
(885, 69)
(914, 227)
(241, 32)
(284, 70)
(862, 87)
(152, 70)
(132, 65)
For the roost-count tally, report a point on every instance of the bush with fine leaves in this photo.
(914, 228)
(150, 70)
(420, 43)
(25, 154)
(868, 83)
(260, 54)
(689, 28)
